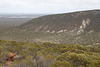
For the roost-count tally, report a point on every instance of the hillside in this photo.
(81, 27)
(80, 21)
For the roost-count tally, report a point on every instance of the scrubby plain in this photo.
(49, 54)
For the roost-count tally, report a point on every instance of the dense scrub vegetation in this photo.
(49, 55)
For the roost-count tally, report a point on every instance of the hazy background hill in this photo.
(12, 20)
(81, 27)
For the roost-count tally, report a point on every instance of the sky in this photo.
(46, 6)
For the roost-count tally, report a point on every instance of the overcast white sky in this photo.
(47, 6)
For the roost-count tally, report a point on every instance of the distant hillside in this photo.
(11, 20)
(76, 21)
(81, 27)
(20, 15)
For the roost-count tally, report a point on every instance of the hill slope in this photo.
(82, 21)
(81, 27)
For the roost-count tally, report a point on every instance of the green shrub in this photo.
(61, 64)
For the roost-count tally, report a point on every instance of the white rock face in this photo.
(65, 30)
(91, 31)
(60, 31)
(48, 31)
(53, 32)
(85, 23)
